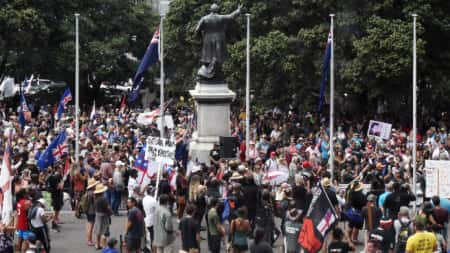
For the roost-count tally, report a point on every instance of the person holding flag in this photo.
(151, 56)
(65, 99)
(320, 219)
(24, 113)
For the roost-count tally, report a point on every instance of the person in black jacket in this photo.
(252, 197)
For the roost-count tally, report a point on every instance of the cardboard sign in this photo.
(437, 178)
(379, 129)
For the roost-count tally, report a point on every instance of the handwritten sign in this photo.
(437, 178)
(160, 150)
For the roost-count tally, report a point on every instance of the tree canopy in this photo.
(373, 50)
(39, 37)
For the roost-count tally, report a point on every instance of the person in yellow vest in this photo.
(422, 241)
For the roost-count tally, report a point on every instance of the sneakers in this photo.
(56, 227)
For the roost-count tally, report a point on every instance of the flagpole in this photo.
(332, 98)
(414, 137)
(161, 80)
(247, 92)
(77, 92)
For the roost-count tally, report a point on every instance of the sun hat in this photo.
(119, 163)
(371, 197)
(100, 188)
(91, 183)
(236, 176)
(357, 186)
(326, 182)
(42, 201)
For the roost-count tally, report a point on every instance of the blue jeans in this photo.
(116, 200)
(109, 196)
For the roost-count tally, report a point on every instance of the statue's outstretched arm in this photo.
(198, 29)
(234, 14)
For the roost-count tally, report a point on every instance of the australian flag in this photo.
(23, 109)
(151, 56)
(65, 99)
(54, 152)
(319, 220)
(325, 72)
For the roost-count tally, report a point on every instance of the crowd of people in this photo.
(234, 201)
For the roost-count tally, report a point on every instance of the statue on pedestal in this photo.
(214, 52)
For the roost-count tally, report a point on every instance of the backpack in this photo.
(403, 235)
(32, 214)
(84, 202)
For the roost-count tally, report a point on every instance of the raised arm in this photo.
(234, 14)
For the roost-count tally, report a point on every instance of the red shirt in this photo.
(22, 221)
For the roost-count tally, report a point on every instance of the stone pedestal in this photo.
(212, 105)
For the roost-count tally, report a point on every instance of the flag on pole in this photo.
(93, 112)
(28, 83)
(54, 152)
(325, 72)
(151, 56)
(23, 110)
(65, 99)
(5, 187)
(319, 219)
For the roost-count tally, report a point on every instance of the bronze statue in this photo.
(214, 52)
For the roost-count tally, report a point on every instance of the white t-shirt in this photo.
(271, 165)
(37, 221)
(149, 204)
(132, 184)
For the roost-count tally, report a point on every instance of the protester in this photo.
(190, 231)
(102, 216)
(421, 241)
(149, 205)
(239, 230)
(38, 221)
(88, 205)
(164, 229)
(134, 227)
(338, 244)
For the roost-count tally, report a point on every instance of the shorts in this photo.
(150, 230)
(356, 224)
(133, 244)
(23, 234)
(57, 202)
(91, 218)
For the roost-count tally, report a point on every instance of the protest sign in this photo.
(160, 150)
(437, 178)
(379, 129)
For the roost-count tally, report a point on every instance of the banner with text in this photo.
(437, 178)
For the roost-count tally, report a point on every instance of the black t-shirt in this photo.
(376, 216)
(215, 155)
(101, 205)
(339, 247)
(261, 247)
(189, 228)
(332, 196)
(357, 199)
(137, 223)
(52, 183)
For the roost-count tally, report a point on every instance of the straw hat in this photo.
(100, 188)
(91, 183)
(236, 176)
(357, 186)
(326, 182)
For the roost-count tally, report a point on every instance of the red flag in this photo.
(123, 103)
(66, 166)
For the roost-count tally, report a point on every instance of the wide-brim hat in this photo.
(100, 188)
(91, 183)
(358, 186)
(236, 176)
(326, 182)
(31, 161)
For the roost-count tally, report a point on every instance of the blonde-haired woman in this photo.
(200, 203)
(193, 187)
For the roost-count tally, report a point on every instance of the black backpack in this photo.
(403, 234)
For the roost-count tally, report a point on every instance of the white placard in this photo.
(160, 150)
(379, 129)
(437, 178)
